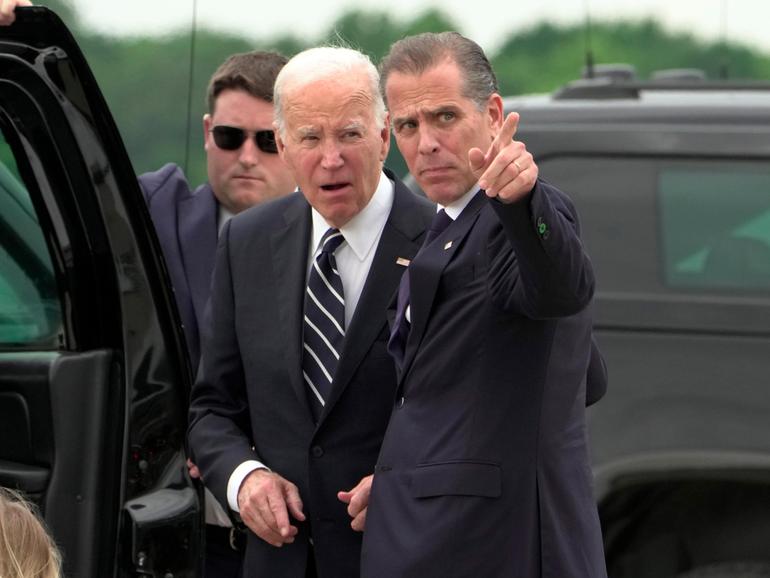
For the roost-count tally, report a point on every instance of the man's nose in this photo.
(248, 154)
(428, 142)
(332, 156)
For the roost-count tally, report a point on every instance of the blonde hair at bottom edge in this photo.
(26, 548)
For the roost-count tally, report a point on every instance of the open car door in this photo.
(94, 378)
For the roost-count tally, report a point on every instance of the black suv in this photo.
(672, 180)
(94, 376)
(671, 177)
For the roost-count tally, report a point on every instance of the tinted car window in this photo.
(29, 306)
(657, 230)
(677, 238)
(715, 226)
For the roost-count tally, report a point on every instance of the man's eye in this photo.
(406, 126)
(446, 116)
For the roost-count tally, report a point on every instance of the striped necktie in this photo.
(324, 322)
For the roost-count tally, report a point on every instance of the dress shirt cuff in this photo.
(236, 479)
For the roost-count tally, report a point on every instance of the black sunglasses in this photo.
(231, 138)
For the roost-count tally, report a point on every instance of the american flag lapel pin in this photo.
(402, 261)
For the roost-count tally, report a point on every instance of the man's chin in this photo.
(443, 194)
(245, 198)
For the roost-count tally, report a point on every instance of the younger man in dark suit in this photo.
(484, 469)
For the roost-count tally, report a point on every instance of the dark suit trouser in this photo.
(221, 561)
(310, 572)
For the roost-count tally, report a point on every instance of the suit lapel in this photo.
(289, 262)
(197, 232)
(425, 274)
(401, 237)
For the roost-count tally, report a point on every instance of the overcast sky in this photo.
(486, 21)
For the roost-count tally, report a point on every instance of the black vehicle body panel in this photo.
(95, 413)
(681, 442)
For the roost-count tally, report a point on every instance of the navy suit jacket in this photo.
(250, 400)
(186, 225)
(484, 469)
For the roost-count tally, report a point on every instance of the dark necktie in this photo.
(400, 331)
(324, 322)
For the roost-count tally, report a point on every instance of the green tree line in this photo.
(148, 80)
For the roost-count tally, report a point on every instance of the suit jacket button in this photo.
(400, 402)
(317, 451)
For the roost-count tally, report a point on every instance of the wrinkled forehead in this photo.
(329, 102)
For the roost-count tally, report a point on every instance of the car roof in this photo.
(615, 116)
(628, 102)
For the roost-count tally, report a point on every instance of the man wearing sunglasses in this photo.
(244, 169)
(296, 386)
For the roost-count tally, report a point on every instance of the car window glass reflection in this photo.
(30, 312)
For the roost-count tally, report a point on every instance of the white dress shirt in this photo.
(223, 215)
(354, 259)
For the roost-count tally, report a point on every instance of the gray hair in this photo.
(415, 54)
(326, 62)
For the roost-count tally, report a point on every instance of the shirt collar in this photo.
(455, 208)
(362, 230)
(222, 218)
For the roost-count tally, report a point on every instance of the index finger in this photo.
(280, 521)
(507, 132)
(502, 140)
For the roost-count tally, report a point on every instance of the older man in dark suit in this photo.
(296, 386)
(484, 469)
